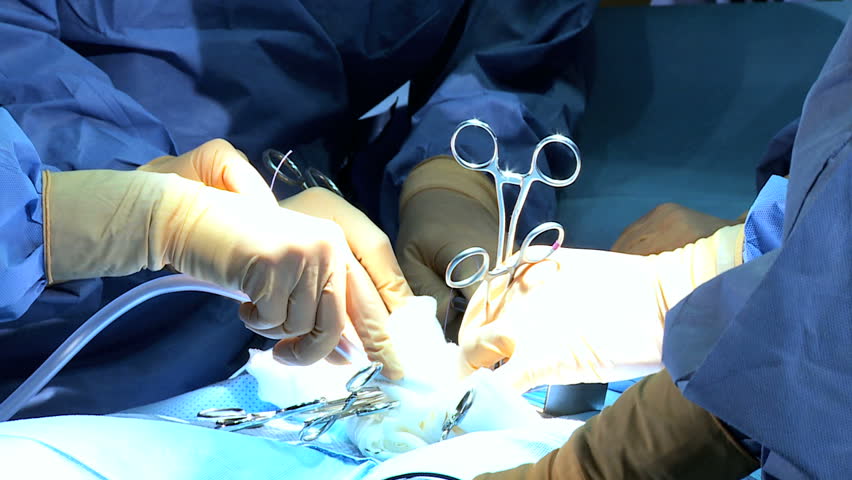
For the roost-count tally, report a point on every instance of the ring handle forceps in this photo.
(362, 400)
(233, 419)
(506, 239)
(290, 172)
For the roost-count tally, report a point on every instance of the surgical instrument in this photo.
(361, 401)
(290, 172)
(231, 419)
(461, 411)
(506, 239)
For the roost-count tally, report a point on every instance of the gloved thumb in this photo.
(521, 377)
(216, 164)
(485, 337)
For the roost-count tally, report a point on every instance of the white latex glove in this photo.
(587, 316)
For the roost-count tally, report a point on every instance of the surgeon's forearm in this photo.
(651, 432)
(95, 223)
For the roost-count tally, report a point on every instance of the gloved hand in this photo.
(667, 227)
(216, 164)
(384, 286)
(444, 209)
(292, 266)
(651, 432)
(587, 316)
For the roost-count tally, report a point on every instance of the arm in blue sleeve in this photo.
(765, 346)
(22, 276)
(58, 108)
(70, 110)
(519, 70)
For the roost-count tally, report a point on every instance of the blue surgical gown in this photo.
(766, 346)
(105, 84)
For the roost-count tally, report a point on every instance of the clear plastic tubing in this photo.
(103, 318)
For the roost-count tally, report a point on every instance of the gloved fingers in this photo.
(437, 224)
(350, 346)
(336, 358)
(254, 321)
(490, 346)
(479, 313)
(423, 280)
(520, 377)
(368, 243)
(490, 332)
(368, 316)
(550, 365)
(274, 333)
(216, 164)
(303, 304)
(220, 165)
(321, 340)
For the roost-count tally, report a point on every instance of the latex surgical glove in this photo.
(667, 227)
(444, 209)
(216, 164)
(382, 288)
(588, 316)
(292, 266)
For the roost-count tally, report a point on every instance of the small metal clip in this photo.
(461, 410)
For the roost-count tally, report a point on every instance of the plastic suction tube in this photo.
(103, 318)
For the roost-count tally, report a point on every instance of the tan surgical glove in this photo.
(667, 227)
(588, 316)
(444, 209)
(385, 287)
(292, 266)
(216, 164)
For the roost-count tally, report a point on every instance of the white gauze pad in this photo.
(433, 385)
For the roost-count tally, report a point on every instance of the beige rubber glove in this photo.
(587, 316)
(667, 227)
(292, 266)
(216, 164)
(386, 286)
(444, 209)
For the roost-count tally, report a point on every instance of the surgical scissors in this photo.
(288, 170)
(362, 400)
(506, 239)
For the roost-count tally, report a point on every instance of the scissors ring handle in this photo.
(563, 140)
(476, 124)
(535, 232)
(319, 179)
(362, 377)
(289, 172)
(314, 428)
(461, 257)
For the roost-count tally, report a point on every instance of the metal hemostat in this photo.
(361, 401)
